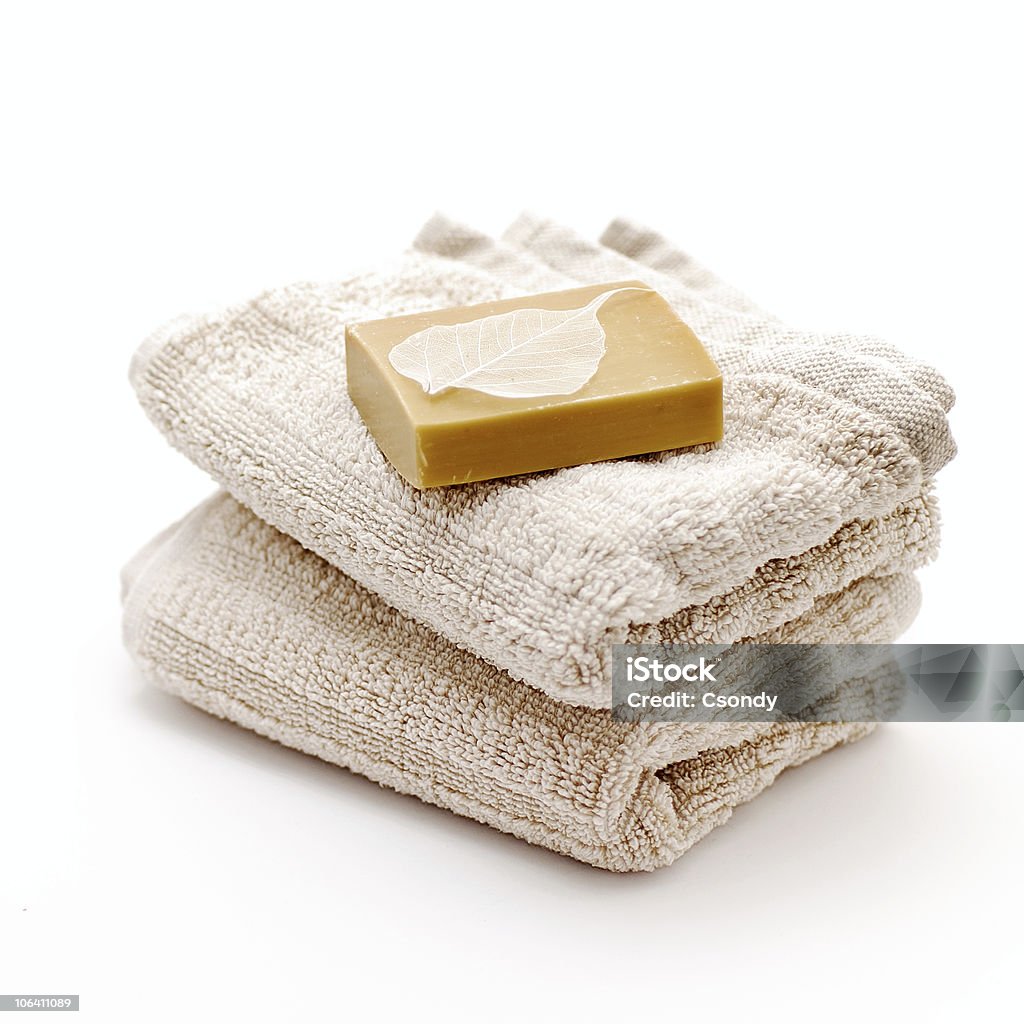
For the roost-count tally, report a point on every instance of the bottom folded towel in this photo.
(240, 620)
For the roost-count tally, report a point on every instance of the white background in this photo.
(852, 167)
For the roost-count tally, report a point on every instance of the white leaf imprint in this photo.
(525, 353)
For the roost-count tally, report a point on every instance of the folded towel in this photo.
(821, 478)
(242, 621)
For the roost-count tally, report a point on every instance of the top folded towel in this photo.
(540, 574)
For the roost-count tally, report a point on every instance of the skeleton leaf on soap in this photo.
(532, 383)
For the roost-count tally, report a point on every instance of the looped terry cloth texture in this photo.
(455, 643)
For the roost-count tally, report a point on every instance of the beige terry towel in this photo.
(821, 478)
(242, 621)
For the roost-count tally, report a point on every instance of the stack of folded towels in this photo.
(455, 643)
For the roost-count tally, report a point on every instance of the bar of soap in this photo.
(533, 383)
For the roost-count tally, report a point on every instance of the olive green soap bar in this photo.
(532, 383)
